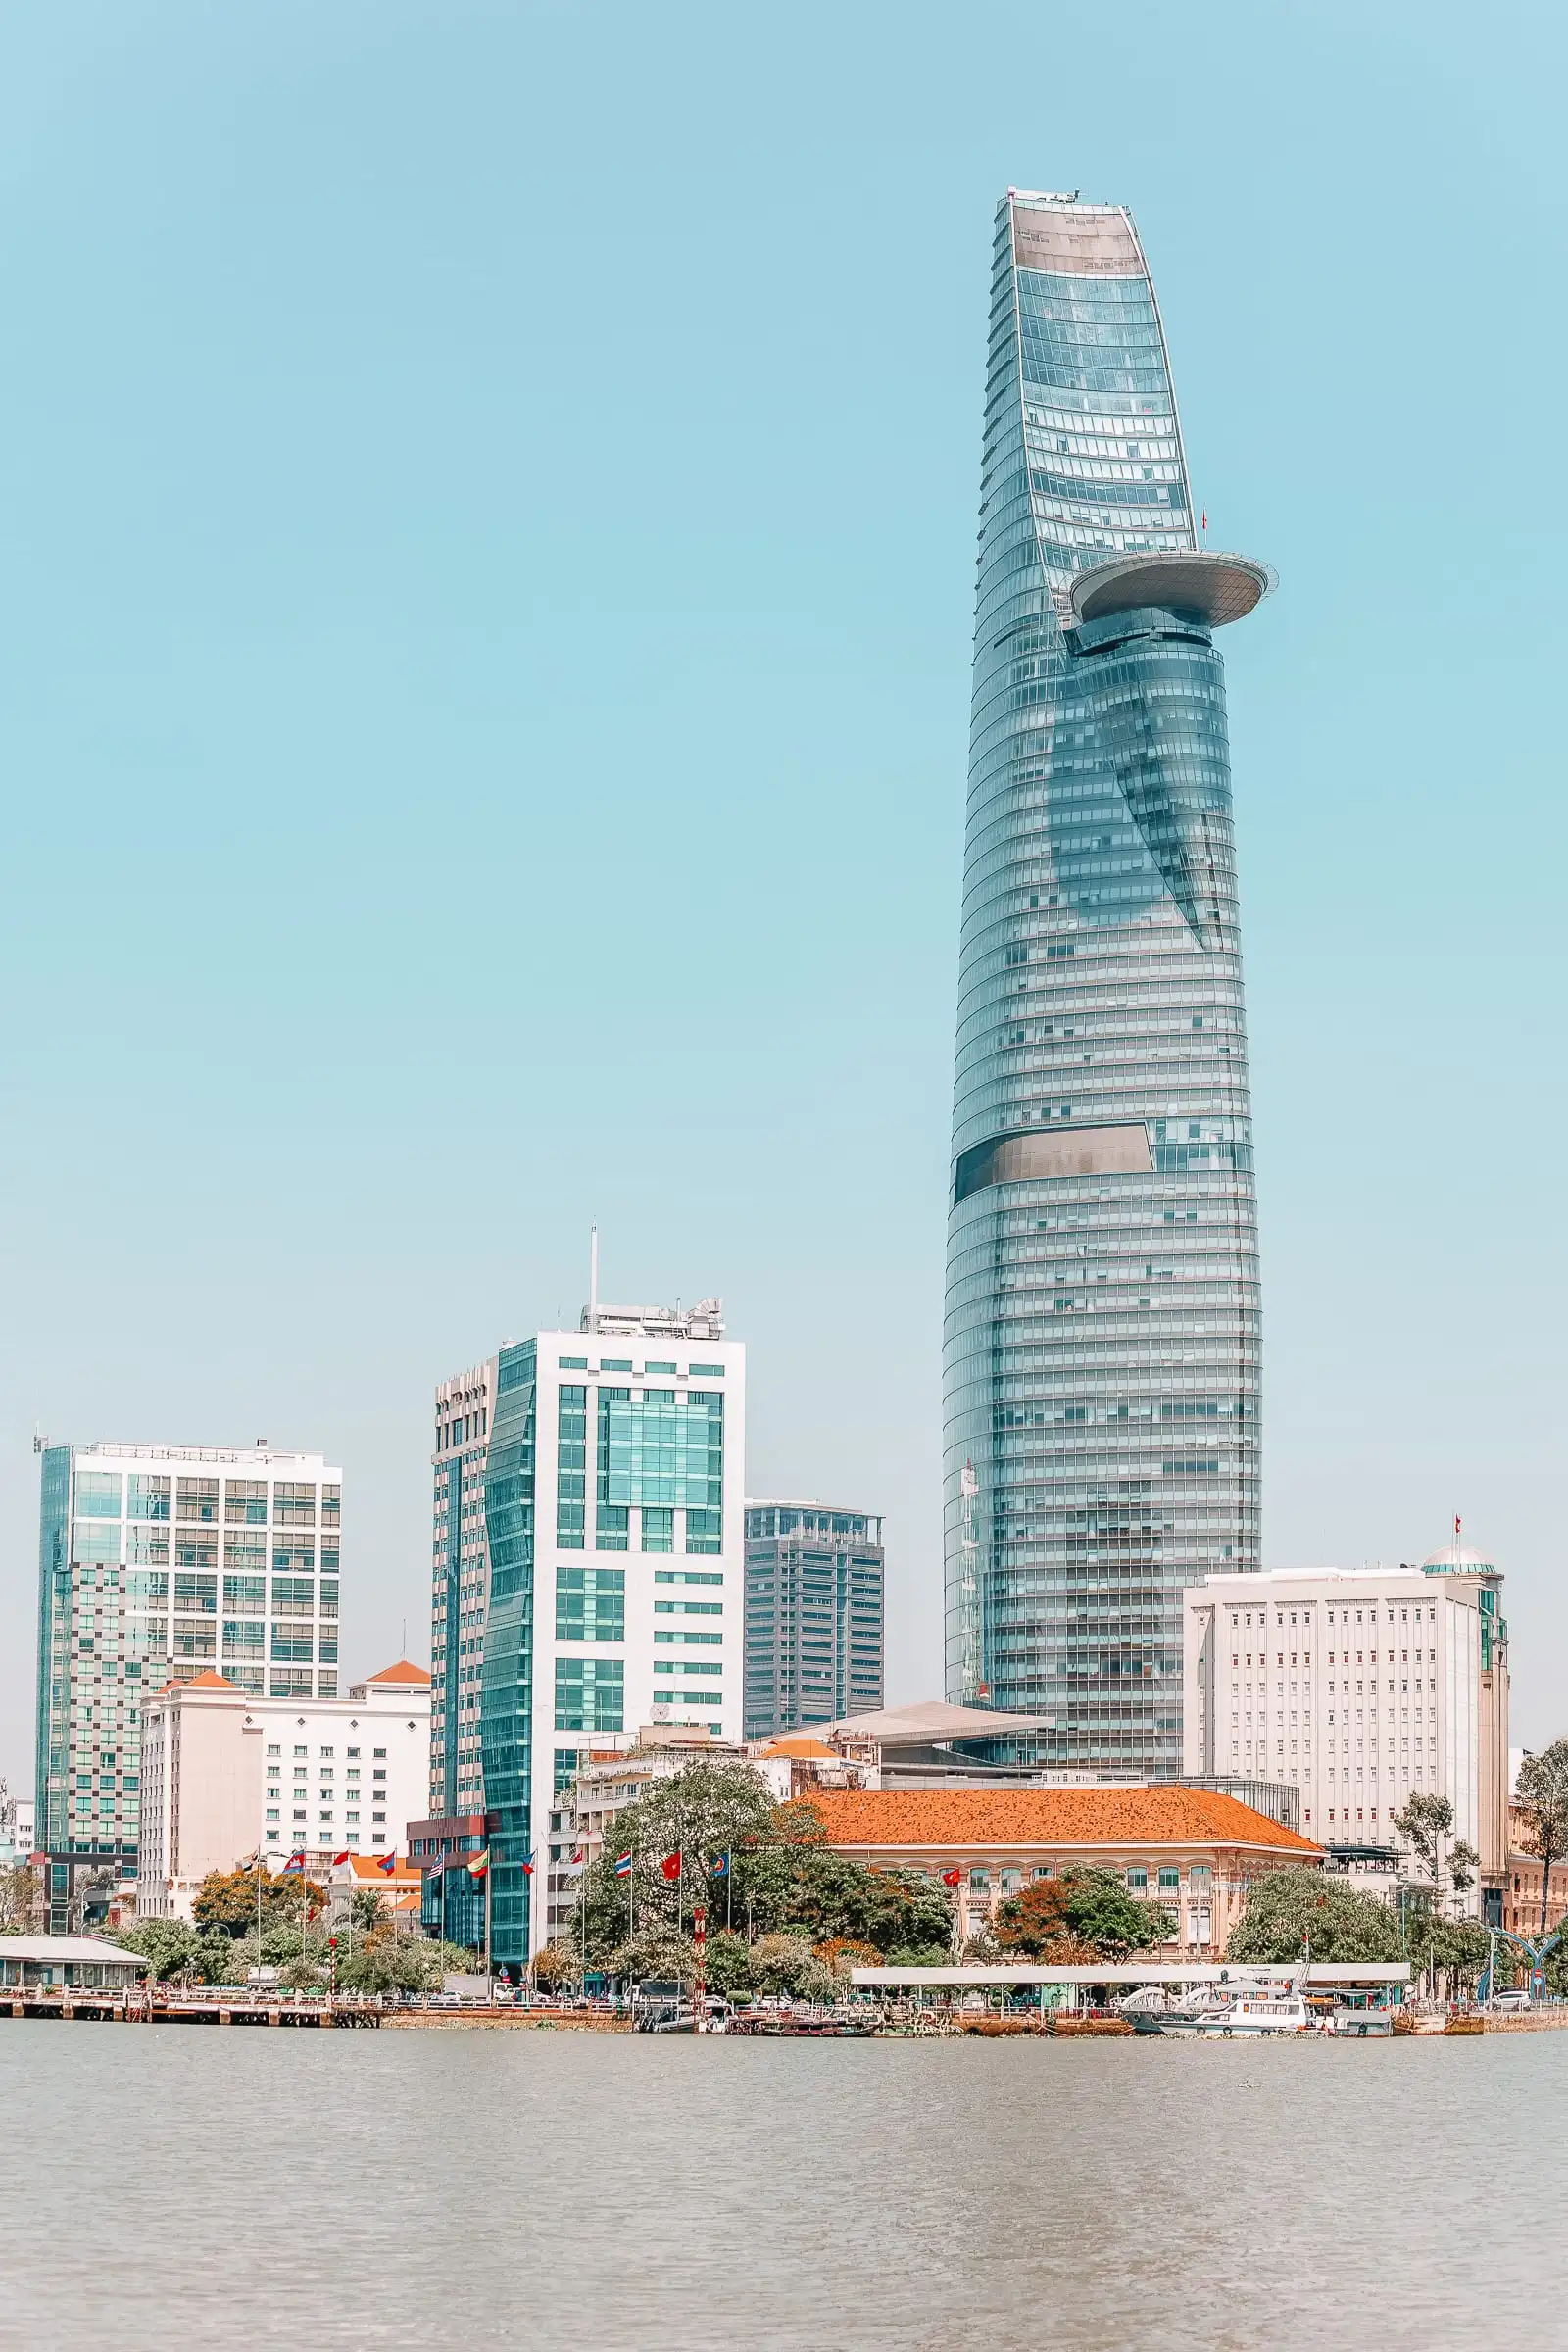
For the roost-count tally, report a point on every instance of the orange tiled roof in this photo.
(405, 1671)
(368, 1867)
(207, 1679)
(965, 1817)
(801, 1743)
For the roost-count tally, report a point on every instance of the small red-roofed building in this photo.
(1189, 1848)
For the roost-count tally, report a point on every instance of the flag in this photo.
(338, 1860)
(718, 1866)
(950, 1878)
(478, 1864)
(528, 1868)
(294, 1866)
(386, 1862)
(434, 1868)
(624, 1866)
(670, 1866)
(1206, 518)
(578, 1853)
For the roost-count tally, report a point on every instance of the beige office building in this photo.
(226, 1775)
(1360, 1687)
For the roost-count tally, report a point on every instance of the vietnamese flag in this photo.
(950, 1878)
(670, 1866)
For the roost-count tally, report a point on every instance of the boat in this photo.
(1264, 2010)
(1362, 2025)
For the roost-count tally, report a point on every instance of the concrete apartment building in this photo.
(814, 1608)
(226, 1775)
(1361, 1687)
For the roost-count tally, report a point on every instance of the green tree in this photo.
(366, 1910)
(167, 1945)
(1284, 1906)
(781, 1874)
(1082, 1916)
(1541, 1800)
(1454, 1948)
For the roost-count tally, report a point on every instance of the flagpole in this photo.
(489, 1981)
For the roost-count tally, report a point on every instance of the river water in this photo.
(180, 2188)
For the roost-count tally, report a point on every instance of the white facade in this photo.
(460, 1586)
(675, 1643)
(16, 1827)
(226, 1776)
(1358, 1685)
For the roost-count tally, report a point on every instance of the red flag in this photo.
(950, 1878)
(670, 1866)
(338, 1860)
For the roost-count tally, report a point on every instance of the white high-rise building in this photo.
(593, 1506)
(1360, 1686)
(160, 1563)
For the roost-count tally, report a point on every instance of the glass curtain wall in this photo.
(1101, 1370)
(505, 1720)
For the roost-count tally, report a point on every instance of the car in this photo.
(1516, 1998)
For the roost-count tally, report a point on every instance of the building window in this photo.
(590, 1695)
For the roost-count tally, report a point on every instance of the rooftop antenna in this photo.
(593, 1278)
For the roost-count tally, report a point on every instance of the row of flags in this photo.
(294, 1866)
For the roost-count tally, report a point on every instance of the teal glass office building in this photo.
(1102, 1340)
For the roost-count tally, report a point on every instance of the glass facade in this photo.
(135, 1590)
(506, 1705)
(1102, 1369)
(813, 1616)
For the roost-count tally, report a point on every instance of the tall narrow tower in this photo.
(1101, 1354)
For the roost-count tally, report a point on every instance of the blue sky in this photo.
(487, 507)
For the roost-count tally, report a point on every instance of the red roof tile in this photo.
(403, 1672)
(970, 1817)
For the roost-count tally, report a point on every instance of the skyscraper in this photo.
(813, 1615)
(586, 1581)
(158, 1563)
(1101, 1376)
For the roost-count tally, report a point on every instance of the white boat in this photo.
(1263, 2011)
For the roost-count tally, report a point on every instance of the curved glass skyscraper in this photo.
(1102, 1335)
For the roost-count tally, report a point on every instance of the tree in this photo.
(1285, 1907)
(1456, 1948)
(20, 1899)
(367, 1911)
(779, 1875)
(227, 1899)
(555, 1967)
(1082, 1916)
(1541, 1800)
